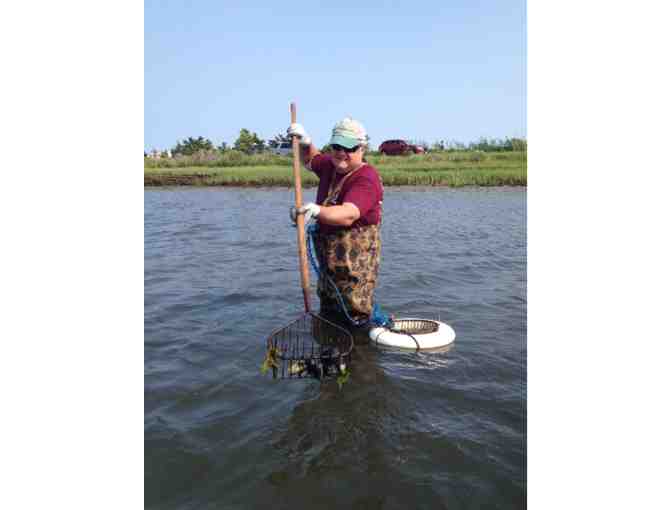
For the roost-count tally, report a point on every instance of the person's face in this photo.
(346, 159)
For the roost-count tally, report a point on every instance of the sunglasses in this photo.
(336, 147)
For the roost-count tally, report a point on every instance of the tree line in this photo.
(248, 142)
(483, 145)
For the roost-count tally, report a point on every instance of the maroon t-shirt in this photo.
(363, 188)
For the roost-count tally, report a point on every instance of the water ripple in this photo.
(409, 430)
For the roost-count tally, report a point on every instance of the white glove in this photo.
(297, 129)
(310, 210)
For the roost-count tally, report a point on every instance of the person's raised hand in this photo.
(296, 129)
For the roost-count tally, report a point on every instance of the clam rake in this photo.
(309, 346)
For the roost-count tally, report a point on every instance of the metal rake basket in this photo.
(310, 346)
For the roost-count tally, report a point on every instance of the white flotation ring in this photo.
(417, 334)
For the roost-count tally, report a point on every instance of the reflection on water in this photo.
(408, 430)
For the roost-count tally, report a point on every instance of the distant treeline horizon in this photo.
(249, 142)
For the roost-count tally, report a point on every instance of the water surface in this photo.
(409, 430)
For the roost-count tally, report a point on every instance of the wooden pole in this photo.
(300, 219)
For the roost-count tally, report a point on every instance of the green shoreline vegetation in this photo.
(451, 168)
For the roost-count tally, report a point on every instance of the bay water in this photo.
(408, 430)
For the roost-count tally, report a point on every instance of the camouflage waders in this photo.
(351, 259)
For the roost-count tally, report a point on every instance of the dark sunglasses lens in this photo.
(336, 147)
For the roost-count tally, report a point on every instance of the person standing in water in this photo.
(348, 211)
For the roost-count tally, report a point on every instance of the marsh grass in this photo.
(453, 169)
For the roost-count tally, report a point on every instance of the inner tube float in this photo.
(417, 334)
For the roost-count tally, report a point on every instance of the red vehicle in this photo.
(399, 148)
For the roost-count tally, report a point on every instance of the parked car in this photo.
(399, 148)
(283, 149)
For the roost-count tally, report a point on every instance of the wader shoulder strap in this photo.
(334, 191)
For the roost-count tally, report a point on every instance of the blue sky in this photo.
(424, 70)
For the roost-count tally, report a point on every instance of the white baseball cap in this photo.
(348, 133)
